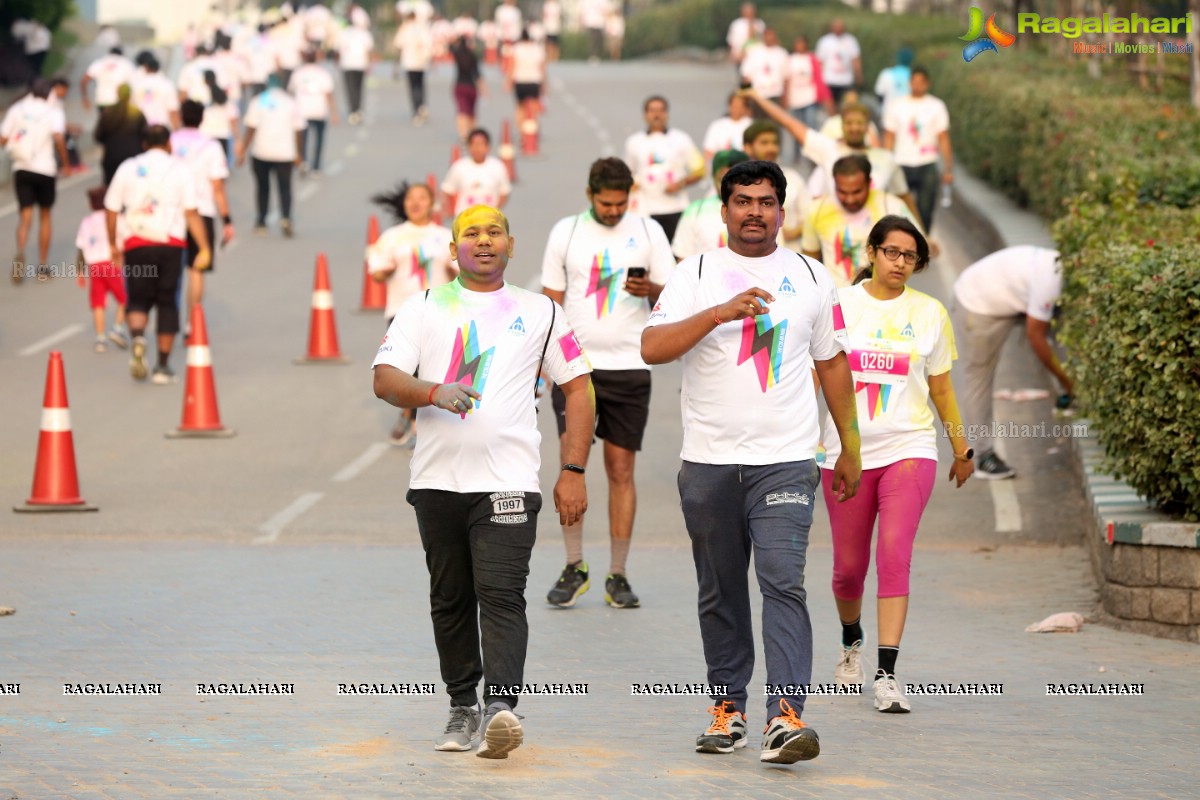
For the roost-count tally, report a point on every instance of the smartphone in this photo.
(636, 272)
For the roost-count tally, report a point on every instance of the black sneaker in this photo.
(571, 585)
(788, 740)
(618, 593)
(991, 467)
(163, 375)
(727, 731)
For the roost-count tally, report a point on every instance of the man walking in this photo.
(474, 482)
(664, 162)
(156, 195)
(606, 267)
(750, 432)
(917, 129)
(274, 139)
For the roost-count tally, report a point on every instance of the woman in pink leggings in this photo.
(901, 349)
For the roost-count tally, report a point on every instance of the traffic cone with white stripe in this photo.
(201, 419)
(322, 329)
(374, 293)
(529, 129)
(55, 479)
(507, 154)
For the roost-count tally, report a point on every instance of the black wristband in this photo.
(573, 468)
(227, 220)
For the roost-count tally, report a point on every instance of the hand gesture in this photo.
(457, 397)
(961, 470)
(749, 303)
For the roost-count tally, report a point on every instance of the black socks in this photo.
(852, 632)
(887, 662)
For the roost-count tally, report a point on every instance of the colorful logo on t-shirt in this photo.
(878, 395)
(604, 283)
(420, 265)
(469, 363)
(786, 288)
(845, 252)
(983, 38)
(723, 239)
(763, 341)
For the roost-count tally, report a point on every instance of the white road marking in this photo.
(53, 339)
(307, 191)
(1004, 499)
(360, 464)
(602, 134)
(275, 525)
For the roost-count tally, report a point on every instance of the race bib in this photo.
(879, 361)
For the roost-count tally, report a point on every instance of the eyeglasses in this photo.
(894, 254)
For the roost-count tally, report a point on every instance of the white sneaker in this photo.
(849, 671)
(889, 697)
(502, 732)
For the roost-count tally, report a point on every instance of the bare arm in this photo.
(221, 200)
(554, 295)
(815, 254)
(1037, 331)
(838, 388)
(83, 92)
(664, 343)
(941, 392)
(777, 113)
(404, 391)
(243, 148)
(947, 157)
(60, 144)
(570, 492)
(889, 140)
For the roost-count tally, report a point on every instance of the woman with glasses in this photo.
(901, 347)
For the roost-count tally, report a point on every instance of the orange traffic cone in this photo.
(431, 182)
(374, 293)
(55, 479)
(322, 330)
(507, 154)
(529, 129)
(201, 419)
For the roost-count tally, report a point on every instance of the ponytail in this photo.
(864, 274)
(219, 95)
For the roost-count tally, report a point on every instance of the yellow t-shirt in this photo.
(841, 237)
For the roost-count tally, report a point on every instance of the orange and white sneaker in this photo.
(788, 740)
(727, 731)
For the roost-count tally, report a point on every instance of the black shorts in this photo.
(193, 248)
(552, 38)
(528, 91)
(33, 189)
(622, 406)
(152, 281)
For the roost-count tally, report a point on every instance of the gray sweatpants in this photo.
(730, 511)
(980, 340)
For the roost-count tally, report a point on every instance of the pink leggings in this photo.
(897, 494)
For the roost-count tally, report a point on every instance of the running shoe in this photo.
(991, 467)
(163, 375)
(461, 729)
(570, 586)
(286, 226)
(403, 433)
(100, 346)
(18, 271)
(889, 697)
(788, 740)
(137, 359)
(849, 671)
(119, 337)
(502, 732)
(261, 230)
(618, 593)
(727, 731)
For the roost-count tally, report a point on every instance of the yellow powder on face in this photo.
(477, 215)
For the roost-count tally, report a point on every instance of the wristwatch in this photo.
(967, 456)
(573, 468)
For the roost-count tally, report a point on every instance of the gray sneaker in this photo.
(570, 585)
(502, 732)
(461, 729)
(137, 359)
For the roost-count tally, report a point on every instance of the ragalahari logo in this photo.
(983, 37)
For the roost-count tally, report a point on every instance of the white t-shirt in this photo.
(725, 134)
(354, 48)
(796, 205)
(747, 388)
(317, 21)
(493, 341)
(658, 160)
(895, 346)
(287, 40)
(916, 122)
(766, 68)
(552, 17)
(700, 228)
(218, 119)
(311, 86)
(476, 184)
(155, 96)
(1016, 280)
(465, 26)
(589, 261)
(422, 8)
(419, 256)
(886, 175)
(92, 238)
(153, 191)
(29, 126)
(528, 62)
(109, 72)
(275, 117)
(740, 31)
(260, 58)
(801, 80)
(415, 44)
(837, 54)
(508, 22)
(593, 13)
(206, 158)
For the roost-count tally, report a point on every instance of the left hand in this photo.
(638, 287)
(570, 497)
(847, 473)
(227, 233)
(203, 260)
(961, 470)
